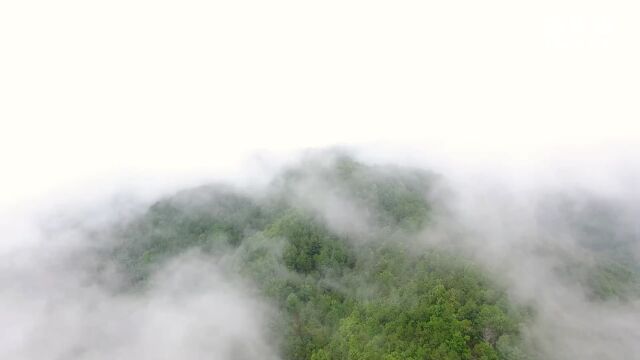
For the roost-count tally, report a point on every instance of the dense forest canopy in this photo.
(335, 246)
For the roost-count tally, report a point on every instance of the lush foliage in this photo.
(340, 296)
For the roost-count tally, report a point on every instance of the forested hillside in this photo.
(371, 294)
(335, 247)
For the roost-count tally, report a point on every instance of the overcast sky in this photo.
(127, 90)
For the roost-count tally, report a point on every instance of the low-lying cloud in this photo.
(57, 305)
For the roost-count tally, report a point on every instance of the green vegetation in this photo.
(606, 267)
(339, 296)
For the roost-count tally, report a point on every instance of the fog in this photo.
(61, 300)
(527, 111)
(531, 240)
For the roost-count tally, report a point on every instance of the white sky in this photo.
(92, 91)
